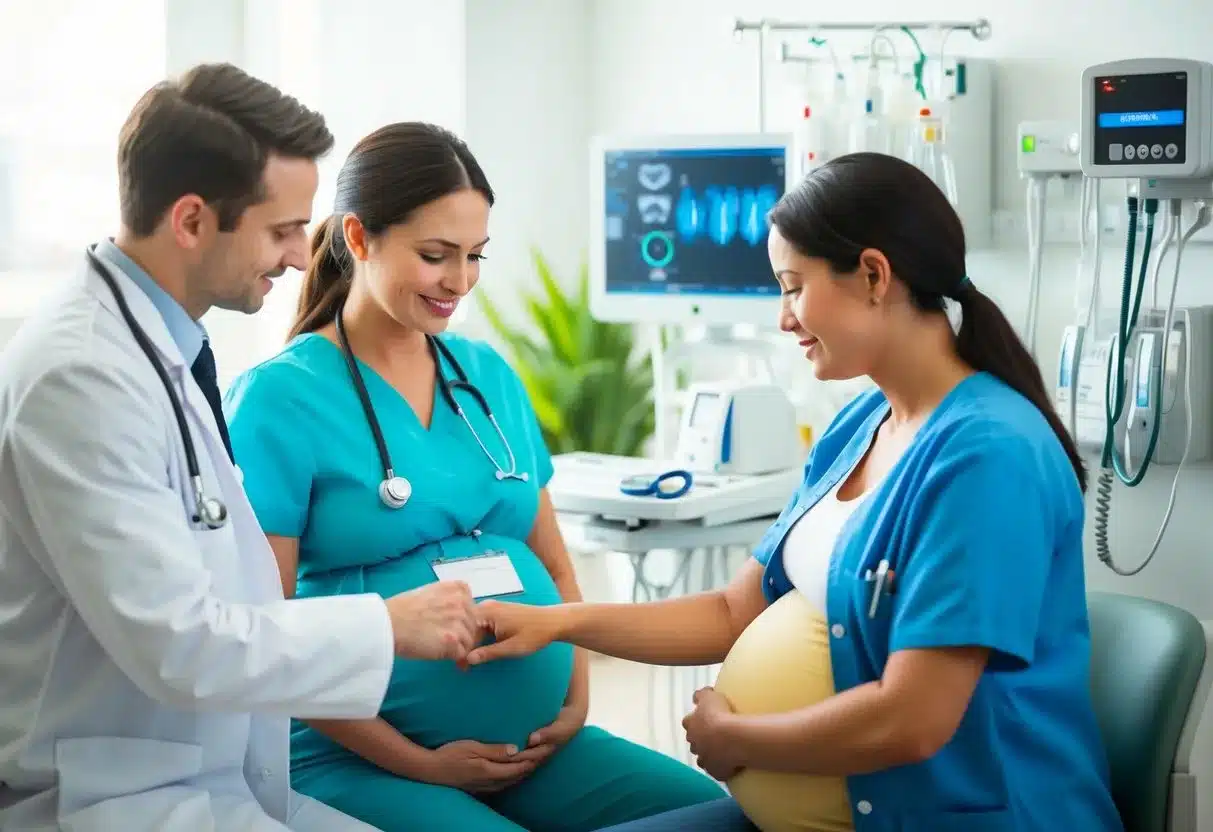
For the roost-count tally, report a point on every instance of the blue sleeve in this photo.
(982, 538)
(275, 458)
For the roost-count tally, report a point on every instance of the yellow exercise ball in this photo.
(782, 663)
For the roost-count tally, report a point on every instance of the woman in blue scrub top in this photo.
(495, 748)
(937, 534)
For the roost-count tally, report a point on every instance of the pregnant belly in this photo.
(433, 703)
(781, 663)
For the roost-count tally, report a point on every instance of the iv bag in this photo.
(929, 153)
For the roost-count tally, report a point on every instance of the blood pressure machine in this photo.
(738, 457)
(1140, 393)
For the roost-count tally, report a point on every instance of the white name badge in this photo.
(487, 575)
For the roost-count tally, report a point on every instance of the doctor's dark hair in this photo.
(389, 175)
(209, 133)
(873, 201)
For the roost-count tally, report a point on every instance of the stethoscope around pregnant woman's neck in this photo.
(394, 490)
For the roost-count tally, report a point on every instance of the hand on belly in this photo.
(435, 703)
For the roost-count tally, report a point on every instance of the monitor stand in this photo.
(755, 351)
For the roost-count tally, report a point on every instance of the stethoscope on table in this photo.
(668, 486)
(210, 511)
(394, 491)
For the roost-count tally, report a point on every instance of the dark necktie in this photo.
(207, 376)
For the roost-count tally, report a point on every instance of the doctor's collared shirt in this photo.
(188, 334)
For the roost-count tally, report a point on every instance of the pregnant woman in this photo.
(908, 650)
(381, 454)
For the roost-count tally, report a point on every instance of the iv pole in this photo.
(666, 361)
(980, 29)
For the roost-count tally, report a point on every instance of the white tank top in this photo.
(811, 541)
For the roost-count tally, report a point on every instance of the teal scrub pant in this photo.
(596, 780)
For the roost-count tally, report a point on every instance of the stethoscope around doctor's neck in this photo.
(394, 490)
(209, 511)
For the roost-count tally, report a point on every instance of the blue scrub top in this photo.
(312, 472)
(981, 522)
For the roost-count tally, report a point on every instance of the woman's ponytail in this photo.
(988, 342)
(326, 283)
(863, 201)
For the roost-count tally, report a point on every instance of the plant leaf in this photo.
(589, 384)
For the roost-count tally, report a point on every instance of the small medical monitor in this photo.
(1147, 118)
(679, 228)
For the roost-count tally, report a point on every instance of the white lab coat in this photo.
(148, 669)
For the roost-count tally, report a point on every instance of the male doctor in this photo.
(148, 661)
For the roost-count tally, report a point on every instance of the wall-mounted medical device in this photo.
(678, 227)
(1187, 385)
(738, 429)
(1148, 118)
(1048, 148)
(1044, 150)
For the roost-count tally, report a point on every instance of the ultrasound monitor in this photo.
(679, 228)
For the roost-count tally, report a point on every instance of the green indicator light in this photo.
(1028, 144)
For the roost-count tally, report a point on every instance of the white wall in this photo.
(330, 56)
(528, 122)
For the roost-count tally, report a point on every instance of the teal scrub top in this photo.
(312, 472)
(981, 522)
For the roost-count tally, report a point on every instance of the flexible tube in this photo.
(1115, 387)
(1123, 345)
(1103, 500)
(1037, 190)
(1170, 233)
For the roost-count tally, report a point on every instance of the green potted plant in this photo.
(591, 389)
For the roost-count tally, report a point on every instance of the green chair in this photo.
(1150, 681)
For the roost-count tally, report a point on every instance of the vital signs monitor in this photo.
(679, 227)
(1147, 118)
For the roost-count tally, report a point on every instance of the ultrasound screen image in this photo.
(691, 220)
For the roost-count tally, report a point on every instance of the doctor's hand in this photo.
(519, 630)
(712, 749)
(437, 621)
(477, 768)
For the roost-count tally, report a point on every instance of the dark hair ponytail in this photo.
(388, 175)
(870, 200)
(325, 283)
(988, 342)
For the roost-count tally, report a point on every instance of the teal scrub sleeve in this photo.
(275, 457)
(534, 444)
(981, 551)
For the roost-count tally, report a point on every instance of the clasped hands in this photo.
(519, 630)
(442, 621)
